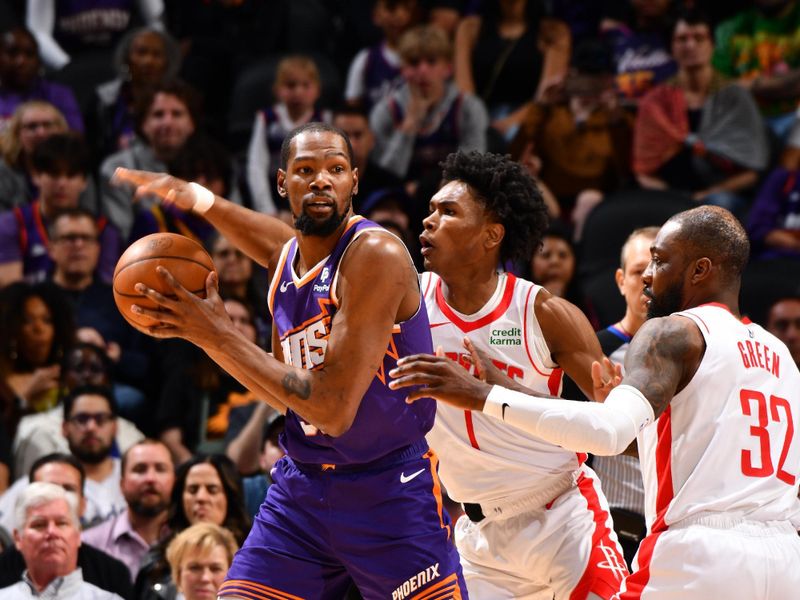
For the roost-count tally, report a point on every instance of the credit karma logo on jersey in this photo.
(506, 337)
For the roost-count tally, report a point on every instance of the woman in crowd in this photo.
(199, 558)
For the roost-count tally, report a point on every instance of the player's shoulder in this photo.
(377, 249)
(674, 335)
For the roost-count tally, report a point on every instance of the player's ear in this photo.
(702, 269)
(282, 183)
(619, 275)
(495, 232)
(355, 180)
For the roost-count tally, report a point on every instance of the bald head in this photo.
(713, 232)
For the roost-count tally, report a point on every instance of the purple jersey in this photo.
(380, 77)
(303, 309)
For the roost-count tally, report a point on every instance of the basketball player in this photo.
(357, 498)
(537, 524)
(715, 403)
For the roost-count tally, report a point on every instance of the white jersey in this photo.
(728, 442)
(483, 459)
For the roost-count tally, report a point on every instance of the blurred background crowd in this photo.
(624, 111)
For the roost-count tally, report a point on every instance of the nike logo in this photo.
(404, 479)
(285, 286)
(503, 411)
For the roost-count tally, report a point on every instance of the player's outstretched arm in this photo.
(372, 300)
(256, 234)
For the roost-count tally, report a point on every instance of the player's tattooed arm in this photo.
(662, 358)
(293, 384)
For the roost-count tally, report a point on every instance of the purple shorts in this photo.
(382, 528)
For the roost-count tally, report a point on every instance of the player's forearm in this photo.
(257, 235)
(602, 429)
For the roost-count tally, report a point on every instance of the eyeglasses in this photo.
(229, 252)
(82, 419)
(72, 238)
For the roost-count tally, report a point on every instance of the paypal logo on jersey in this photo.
(324, 288)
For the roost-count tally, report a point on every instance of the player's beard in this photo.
(667, 302)
(308, 226)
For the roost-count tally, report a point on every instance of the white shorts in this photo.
(565, 550)
(717, 557)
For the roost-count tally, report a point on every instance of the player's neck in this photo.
(311, 249)
(469, 292)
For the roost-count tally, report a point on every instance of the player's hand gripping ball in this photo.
(187, 260)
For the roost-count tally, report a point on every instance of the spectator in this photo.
(773, 223)
(375, 71)
(60, 167)
(143, 58)
(296, 90)
(42, 433)
(165, 120)
(148, 476)
(580, 134)
(695, 132)
(639, 39)
(35, 331)
(32, 122)
(261, 432)
(199, 558)
(758, 46)
(97, 567)
(90, 426)
(371, 176)
(427, 118)
(207, 490)
(47, 534)
(553, 264)
(21, 79)
(75, 252)
(507, 54)
(783, 321)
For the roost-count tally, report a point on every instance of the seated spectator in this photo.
(35, 331)
(194, 388)
(202, 160)
(505, 53)
(579, 133)
(783, 321)
(42, 433)
(240, 278)
(375, 71)
(47, 534)
(199, 558)
(21, 79)
(696, 132)
(296, 90)
(32, 122)
(773, 222)
(427, 118)
(60, 167)
(143, 58)
(148, 476)
(97, 567)
(639, 38)
(391, 208)
(207, 490)
(371, 176)
(75, 252)
(553, 264)
(165, 120)
(255, 450)
(759, 47)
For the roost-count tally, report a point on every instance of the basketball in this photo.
(187, 260)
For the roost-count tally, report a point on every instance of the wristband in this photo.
(203, 198)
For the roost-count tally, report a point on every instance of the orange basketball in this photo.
(187, 260)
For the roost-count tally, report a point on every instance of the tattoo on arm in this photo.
(297, 386)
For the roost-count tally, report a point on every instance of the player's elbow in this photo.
(339, 421)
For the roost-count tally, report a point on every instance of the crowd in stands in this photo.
(623, 111)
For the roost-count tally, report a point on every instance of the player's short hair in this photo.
(714, 232)
(424, 41)
(314, 127)
(649, 232)
(508, 192)
(62, 153)
(296, 62)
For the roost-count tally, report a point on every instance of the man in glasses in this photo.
(90, 424)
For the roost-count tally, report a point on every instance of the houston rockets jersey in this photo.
(728, 442)
(482, 459)
(303, 309)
